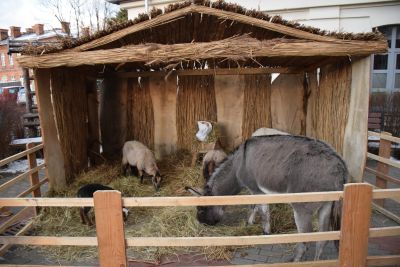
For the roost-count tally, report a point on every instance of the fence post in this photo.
(385, 148)
(110, 228)
(34, 177)
(356, 215)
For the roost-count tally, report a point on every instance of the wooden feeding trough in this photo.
(163, 72)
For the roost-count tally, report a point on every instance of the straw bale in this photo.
(195, 102)
(257, 103)
(330, 104)
(70, 108)
(140, 115)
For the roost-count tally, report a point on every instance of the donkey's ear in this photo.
(194, 191)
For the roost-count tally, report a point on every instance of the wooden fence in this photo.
(382, 169)
(33, 174)
(112, 242)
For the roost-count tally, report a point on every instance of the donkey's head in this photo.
(210, 215)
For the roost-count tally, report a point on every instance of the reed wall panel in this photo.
(330, 105)
(70, 108)
(195, 101)
(257, 103)
(140, 114)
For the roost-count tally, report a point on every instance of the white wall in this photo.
(337, 15)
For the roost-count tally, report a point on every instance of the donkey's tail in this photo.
(336, 216)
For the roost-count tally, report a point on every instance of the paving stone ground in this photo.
(253, 255)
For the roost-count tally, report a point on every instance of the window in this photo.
(13, 78)
(386, 67)
(4, 78)
(3, 60)
(11, 60)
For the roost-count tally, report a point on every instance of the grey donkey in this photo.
(280, 164)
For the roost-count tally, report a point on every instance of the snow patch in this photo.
(25, 141)
(19, 166)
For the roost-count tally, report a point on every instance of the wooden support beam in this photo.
(53, 155)
(34, 177)
(110, 228)
(355, 136)
(241, 47)
(384, 160)
(233, 71)
(356, 216)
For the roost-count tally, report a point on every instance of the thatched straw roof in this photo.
(202, 22)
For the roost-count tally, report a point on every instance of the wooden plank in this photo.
(33, 188)
(393, 193)
(385, 137)
(385, 148)
(229, 96)
(383, 176)
(241, 46)
(34, 177)
(134, 28)
(387, 213)
(383, 160)
(21, 176)
(12, 220)
(384, 231)
(374, 120)
(387, 260)
(163, 94)
(20, 155)
(188, 72)
(323, 263)
(356, 214)
(53, 155)
(23, 230)
(194, 201)
(49, 240)
(373, 126)
(110, 228)
(355, 136)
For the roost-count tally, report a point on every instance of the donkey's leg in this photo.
(265, 218)
(324, 215)
(303, 219)
(252, 217)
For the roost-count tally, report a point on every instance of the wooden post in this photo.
(385, 148)
(356, 215)
(34, 177)
(110, 228)
(55, 169)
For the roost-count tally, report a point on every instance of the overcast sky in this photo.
(25, 13)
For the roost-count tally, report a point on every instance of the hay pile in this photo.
(146, 222)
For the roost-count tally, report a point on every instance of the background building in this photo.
(10, 71)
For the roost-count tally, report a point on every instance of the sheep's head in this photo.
(156, 179)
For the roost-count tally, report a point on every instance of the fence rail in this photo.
(34, 189)
(110, 211)
(382, 170)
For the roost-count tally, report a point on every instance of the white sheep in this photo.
(212, 159)
(268, 131)
(136, 154)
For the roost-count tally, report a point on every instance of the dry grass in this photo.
(146, 222)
